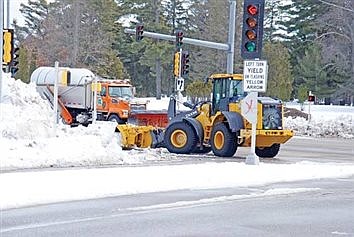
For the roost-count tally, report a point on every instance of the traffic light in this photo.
(311, 98)
(185, 63)
(15, 61)
(8, 36)
(252, 31)
(176, 64)
(179, 39)
(139, 31)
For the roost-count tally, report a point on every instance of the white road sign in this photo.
(255, 75)
(249, 107)
(180, 84)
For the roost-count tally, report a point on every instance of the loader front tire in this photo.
(268, 152)
(180, 138)
(223, 141)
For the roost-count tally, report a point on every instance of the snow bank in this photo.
(42, 187)
(326, 121)
(29, 138)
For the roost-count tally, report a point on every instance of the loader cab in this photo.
(227, 88)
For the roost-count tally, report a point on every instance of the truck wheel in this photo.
(115, 118)
(268, 152)
(180, 138)
(223, 141)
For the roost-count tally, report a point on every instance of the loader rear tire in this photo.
(180, 138)
(268, 152)
(223, 141)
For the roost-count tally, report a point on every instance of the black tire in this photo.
(223, 141)
(204, 150)
(268, 152)
(180, 138)
(115, 118)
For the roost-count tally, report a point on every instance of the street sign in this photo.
(255, 74)
(249, 107)
(180, 84)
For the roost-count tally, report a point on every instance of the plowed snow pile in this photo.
(29, 137)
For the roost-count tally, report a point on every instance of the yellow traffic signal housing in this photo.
(7, 46)
(177, 64)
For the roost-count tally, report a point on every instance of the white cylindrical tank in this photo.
(47, 76)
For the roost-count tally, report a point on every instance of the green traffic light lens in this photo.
(250, 46)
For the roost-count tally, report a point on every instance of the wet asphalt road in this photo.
(325, 209)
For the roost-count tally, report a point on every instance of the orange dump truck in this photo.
(76, 94)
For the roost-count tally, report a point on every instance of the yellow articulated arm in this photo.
(136, 136)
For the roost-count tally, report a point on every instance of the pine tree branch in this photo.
(334, 5)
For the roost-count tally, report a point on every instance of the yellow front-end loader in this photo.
(219, 126)
(215, 125)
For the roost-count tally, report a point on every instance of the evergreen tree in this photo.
(313, 73)
(211, 19)
(176, 14)
(148, 59)
(272, 20)
(280, 78)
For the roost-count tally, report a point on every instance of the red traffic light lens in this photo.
(252, 9)
(251, 34)
(251, 22)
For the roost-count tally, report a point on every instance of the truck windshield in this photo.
(120, 91)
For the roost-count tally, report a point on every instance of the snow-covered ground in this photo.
(29, 138)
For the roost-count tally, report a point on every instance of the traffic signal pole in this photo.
(1, 40)
(231, 38)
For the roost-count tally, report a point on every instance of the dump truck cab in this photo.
(113, 100)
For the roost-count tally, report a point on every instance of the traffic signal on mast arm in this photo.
(185, 63)
(139, 31)
(7, 47)
(179, 39)
(252, 31)
(177, 64)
